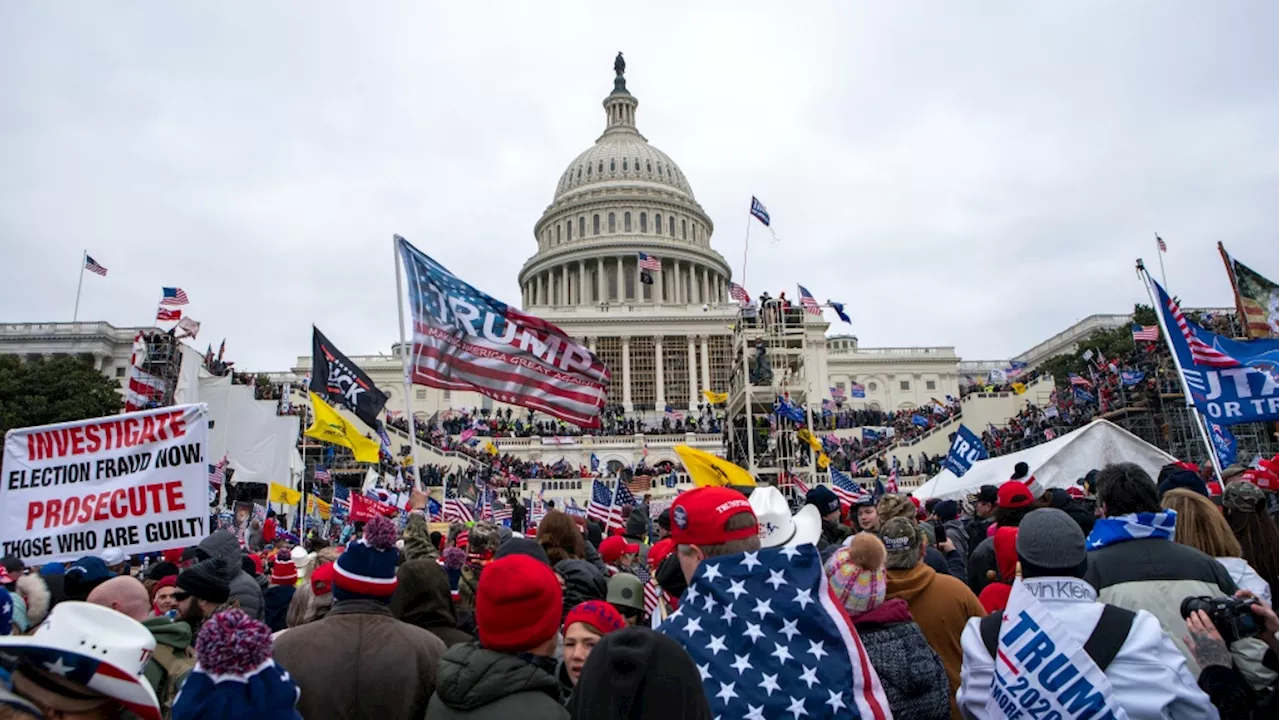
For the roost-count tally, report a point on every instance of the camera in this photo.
(1231, 616)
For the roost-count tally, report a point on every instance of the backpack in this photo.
(1104, 642)
(175, 665)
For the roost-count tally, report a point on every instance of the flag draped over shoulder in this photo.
(465, 340)
(342, 382)
(331, 427)
(770, 641)
(707, 470)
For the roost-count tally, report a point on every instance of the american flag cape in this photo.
(465, 340)
(770, 640)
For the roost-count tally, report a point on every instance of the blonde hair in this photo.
(1200, 524)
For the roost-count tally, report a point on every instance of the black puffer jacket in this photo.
(472, 682)
(422, 598)
(914, 680)
(582, 582)
(244, 588)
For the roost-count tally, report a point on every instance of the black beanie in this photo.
(522, 546)
(162, 570)
(637, 673)
(209, 580)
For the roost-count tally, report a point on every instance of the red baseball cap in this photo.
(660, 551)
(1014, 494)
(614, 547)
(698, 516)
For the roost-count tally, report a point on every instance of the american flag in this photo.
(601, 508)
(341, 500)
(837, 393)
(218, 472)
(649, 262)
(164, 314)
(891, 483)
(454, 508)
(1202, 353)
(762, 652)
(1146, 333)
(92, 266)
(739, 293)
(806, 300)
(1079, 381)
(849, 492)
(172, 296)
(322, 474)
(519, 359)
(1160, 244)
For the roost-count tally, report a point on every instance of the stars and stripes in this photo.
(1160, 244)
(807, 301)
(1145, 333)
(465, 340)
(172, 296)
(218, 472)
(164, 314)
(341, 500)
(1078, 381)
(92, 266)
(601, 508)
(891, 482)
(648, 262)
(454, 508)
(322, 474)
(770, 641)
(739, 293)
(849, 492)
(1202, 353)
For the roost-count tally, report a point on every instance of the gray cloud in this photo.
(969, 175)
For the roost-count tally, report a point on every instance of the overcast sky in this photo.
(972, 174)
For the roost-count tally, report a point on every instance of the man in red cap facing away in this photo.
(710, 522)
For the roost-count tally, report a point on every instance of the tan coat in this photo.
(360, 662)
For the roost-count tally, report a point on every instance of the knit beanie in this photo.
(598, 614)
(209, 580)
(856, 573)
(235, 675)
(517, 604)
(1050, 542)
(637, 673)
(283, 571)
(367, 570)
(522, 546)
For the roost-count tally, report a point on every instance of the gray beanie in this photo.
(1051, 543)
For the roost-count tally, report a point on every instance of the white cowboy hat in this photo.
(95, 647)
(778, 527)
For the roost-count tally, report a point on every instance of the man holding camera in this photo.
(1135, 564)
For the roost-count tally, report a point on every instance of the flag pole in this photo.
(745, 243)
(84, 256)
(404, 367)
(1182, 378)
(1164, 282)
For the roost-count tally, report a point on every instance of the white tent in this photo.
(1057, 463)
(259, 444)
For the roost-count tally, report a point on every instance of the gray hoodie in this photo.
(244, 589)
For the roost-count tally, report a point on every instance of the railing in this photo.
(950, 351)
(8, 330)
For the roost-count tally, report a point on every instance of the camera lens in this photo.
(1192, 604)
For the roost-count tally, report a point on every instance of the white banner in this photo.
(138, 482)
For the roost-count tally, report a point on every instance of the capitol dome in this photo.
(620, 199)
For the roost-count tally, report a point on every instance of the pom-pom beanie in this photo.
(235, 676)
(518, 604)
(283, 571)
(857, 575)
(367, 570)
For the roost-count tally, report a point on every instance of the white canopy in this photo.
(1057, 463)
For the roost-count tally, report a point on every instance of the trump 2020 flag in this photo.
(770, 640)
(465, 340)
(966, 449)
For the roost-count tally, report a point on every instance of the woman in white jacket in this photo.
(1202, 526)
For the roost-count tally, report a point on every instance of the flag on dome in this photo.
(739, 293)
(92, 266)
(466, 340)
(770, 641)
(172, 296)
(649, 262)
(806, 300)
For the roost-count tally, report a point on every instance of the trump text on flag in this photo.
(137, 482)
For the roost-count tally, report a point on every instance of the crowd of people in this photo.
(713, 608)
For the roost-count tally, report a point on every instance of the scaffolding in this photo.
(769, 365)
(161, 358)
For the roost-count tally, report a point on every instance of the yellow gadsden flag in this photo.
(331, 427)
(278, 493)
(715, 398)
(1018, 388)
(707, 470)
(804, 436)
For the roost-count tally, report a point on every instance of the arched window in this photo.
(579, 173)
(626, 222)
(671, 226)
(613, 225)
(588, 169)
(657, 223)
(612, 165)
(557, 234)
(684, 229)
(648, 166)
(644, 222)
(595, 224)
(601, 166)
(624, 164)
(659, 168)
(568, 230)
(582, 226)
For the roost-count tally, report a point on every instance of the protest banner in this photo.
(363, 509)
(136, 482)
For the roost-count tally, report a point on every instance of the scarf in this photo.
(1134, 526)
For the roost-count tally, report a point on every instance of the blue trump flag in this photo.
(1230, 381)
(1224, 443)
(869, 434)
(434, 509)
(1083, 395)
(1129, 378)
(786, 409)
(769, 640)
(920, 420)
(966, 449)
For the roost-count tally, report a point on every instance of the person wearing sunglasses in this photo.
(203, 590)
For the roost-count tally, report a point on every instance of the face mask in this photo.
(670, 576)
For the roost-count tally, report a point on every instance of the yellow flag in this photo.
(491, 448)
(823, 461)
(715, 398)
(707, 470)
(331, 427)
(314, 503)
(804, 436)
(278, 493)
(1018, 388)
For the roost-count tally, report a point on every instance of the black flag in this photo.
(341, 382)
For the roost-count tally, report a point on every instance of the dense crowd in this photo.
(708, 610)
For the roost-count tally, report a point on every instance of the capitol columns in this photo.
(706, 367)
(693, 375)
(582, 283)
(600, 280)
(622, 297)
(658, 373)
(626, 361)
